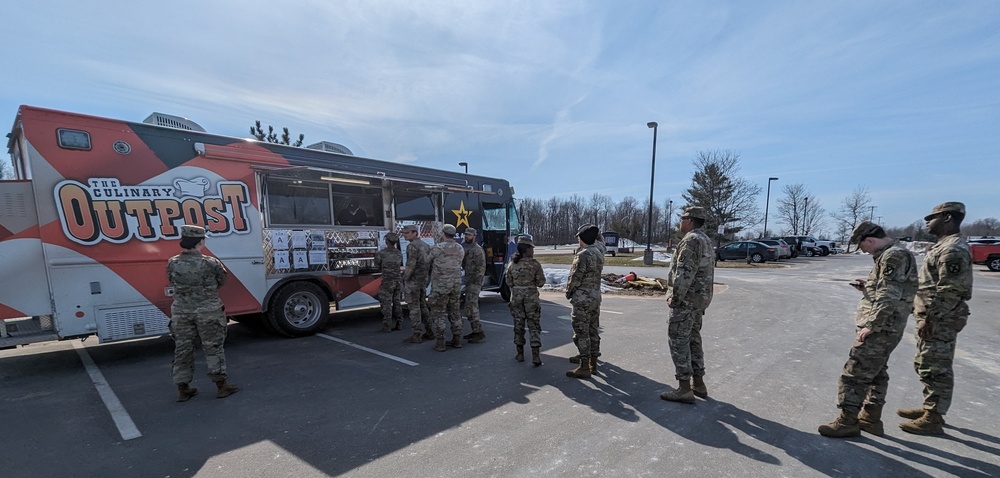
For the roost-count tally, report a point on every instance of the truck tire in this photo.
(505, 293)
(824, 251)
(298, 309)
(993, 264)
(810, 252)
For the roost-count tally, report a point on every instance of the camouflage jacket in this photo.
(888, 294)
(692, 272)
(525, 273)
(945, 281)
(586, 270)
(389, 260)
(196, 279)
(418, 264)
(446, 264)
(474, 263)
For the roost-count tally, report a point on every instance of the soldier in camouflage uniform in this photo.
(415, 278)
(692, 272)
(474, 265)
(524, 276)
(197, 312)
(941, 312)
(886, 302)
(446, 288)
(595, 339)
(389, 260)
(583, 289)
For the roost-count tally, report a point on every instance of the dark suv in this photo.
(802, 245)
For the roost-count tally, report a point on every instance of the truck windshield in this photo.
(496, 217)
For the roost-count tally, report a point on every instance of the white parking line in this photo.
(366, 349)
(121, 417)
(505, 325)
(611, 312)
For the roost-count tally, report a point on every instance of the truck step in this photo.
(10, 342)
(26, 326)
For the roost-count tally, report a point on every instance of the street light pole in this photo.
(767, 202)
(465, 165)
(647, 257)
(871, 217)
(670, 233)
(805, 217)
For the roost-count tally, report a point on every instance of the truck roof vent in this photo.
(171, 121)
(331, 147)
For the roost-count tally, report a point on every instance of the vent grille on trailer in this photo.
(172, 121)
(131, 322)
(14, 204)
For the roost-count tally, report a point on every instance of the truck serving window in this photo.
(359, 205)
(298, 202)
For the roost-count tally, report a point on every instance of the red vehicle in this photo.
(988, 254)
(95, 210)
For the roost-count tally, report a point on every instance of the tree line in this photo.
(732, 202)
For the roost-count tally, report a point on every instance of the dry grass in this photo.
(635, 260)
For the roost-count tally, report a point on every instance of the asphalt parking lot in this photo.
(354, 402)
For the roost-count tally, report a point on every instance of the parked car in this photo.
(802, 245)
(746, 250)
(784, 250)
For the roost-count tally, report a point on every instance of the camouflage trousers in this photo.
(586, 314)
(526, 310)
(444, 302)
(390, 296)
(471, 309)
(933, 364)
(210, 327)
(865, 378)
(416, 303)
(684, 332)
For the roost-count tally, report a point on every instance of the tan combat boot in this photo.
(414, 339)
(699, 388)
(575, 359)
(185, 392)
(225, 389)
(845, 425)
(593, 365)
(583, 371)
(931, 423)
(476, 337)
(439, 345)
(682, 394)
(910, 413)
(536, 357)
(456, 341)
(870, 419)
(385, 328)
(520, 353)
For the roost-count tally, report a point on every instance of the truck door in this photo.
(23, 293)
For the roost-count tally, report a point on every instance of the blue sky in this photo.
(899, 97)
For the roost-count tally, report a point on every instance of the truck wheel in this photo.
(614, 254)
(757, 258)
(810, 253)
(299, 309)
(824, 251)
(505, 293)
(993, 264)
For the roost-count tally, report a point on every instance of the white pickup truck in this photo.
(809, 245)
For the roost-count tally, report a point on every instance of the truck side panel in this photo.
(24, 289)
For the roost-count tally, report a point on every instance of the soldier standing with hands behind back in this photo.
(886, 302)
(941, 312)
(583, 289)
(689, 293)
(197, 311)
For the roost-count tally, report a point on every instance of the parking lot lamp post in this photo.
(767, 202)
(464, 165)
(670, 234)
(647, 257)
(805, 217)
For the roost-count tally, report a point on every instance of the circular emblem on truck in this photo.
(122, 147)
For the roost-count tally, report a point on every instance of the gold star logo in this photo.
(462, 215)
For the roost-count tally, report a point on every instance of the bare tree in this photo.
(729, 199)
(989, 226)
(853, 210)
(6, 170)
(627, 219)
(601, 206)
(791, 207)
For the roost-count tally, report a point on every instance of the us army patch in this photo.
(889, 270)
(954, 267)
